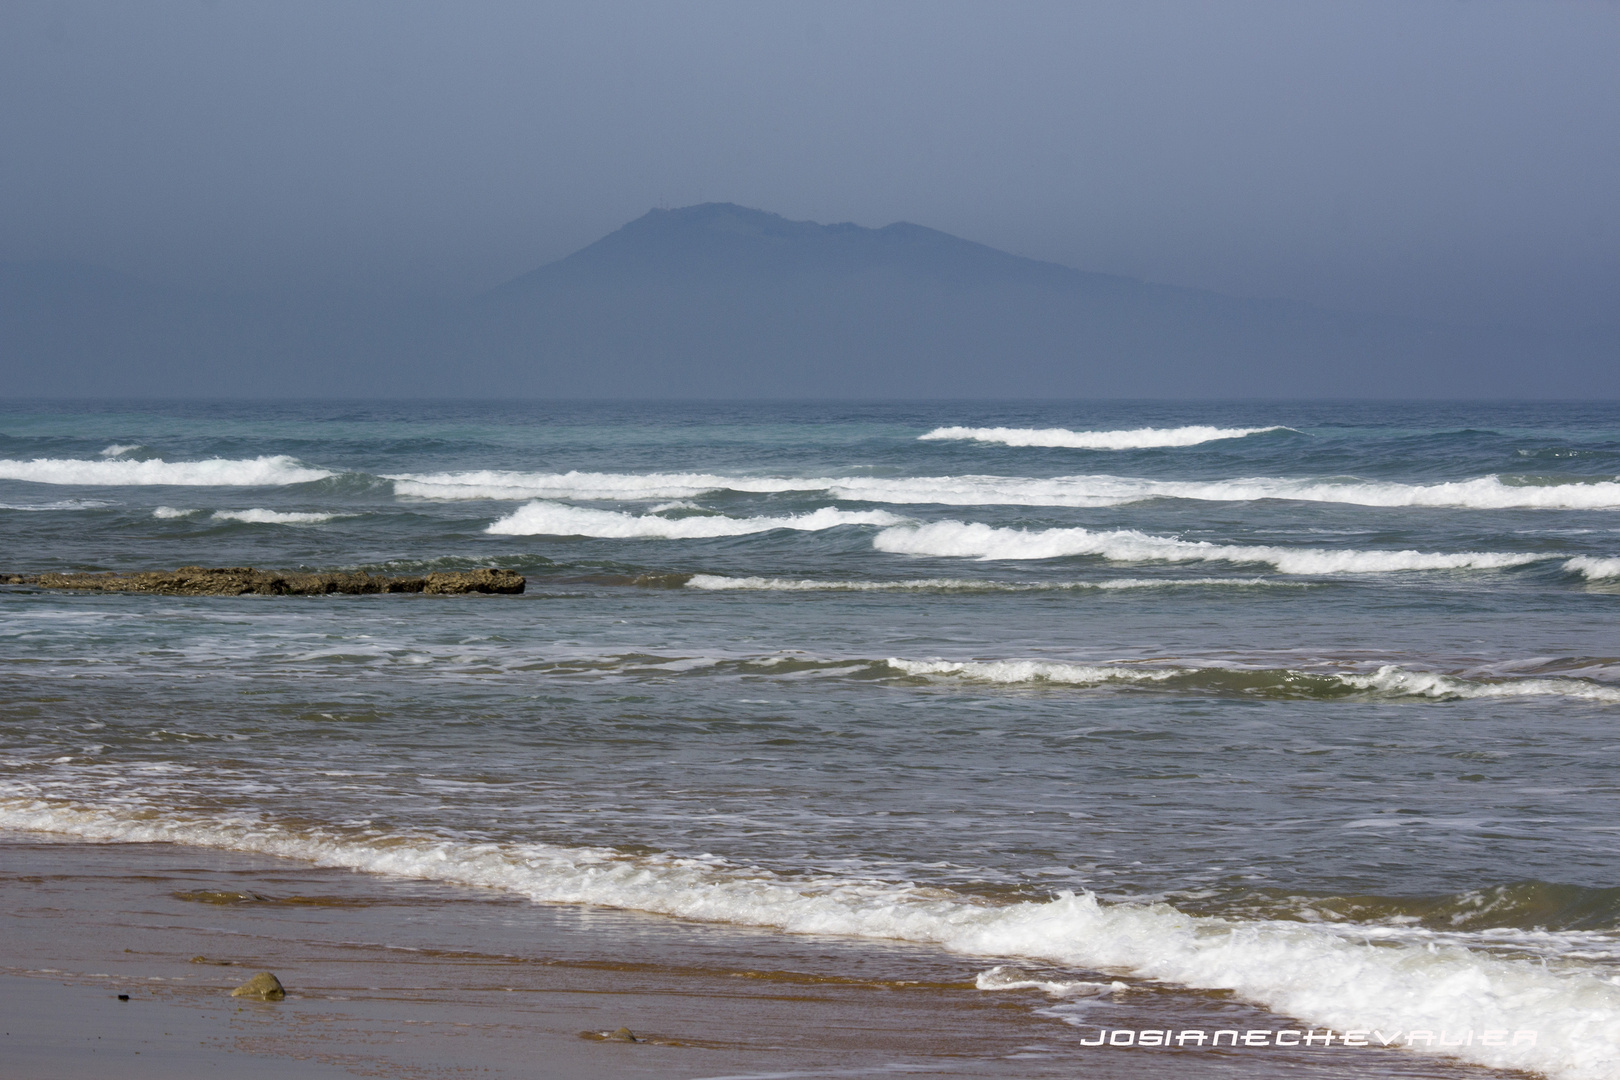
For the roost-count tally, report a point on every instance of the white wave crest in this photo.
(169, 513)
(942, 490)
(1399, 682)
(716, 582)
(956, 539)
(1324, 974)
(1479, 493)
(1134, 439)
(1034, 671)
(552, 519)
(60, 504)
(1389, 681)
(257, 516)
(120, 449)
(214, 472)
(500, 484)
(1593, 569)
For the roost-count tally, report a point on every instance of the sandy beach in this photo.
(408, 979)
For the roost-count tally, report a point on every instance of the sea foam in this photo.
(718, 583)
(1478, 493)
(258, 516)
(553, 519)
(1134, 439)
(1594, 569)
(61, 504)
(1389, 682)
(1342, 976)
(956, 539)
(273, 471)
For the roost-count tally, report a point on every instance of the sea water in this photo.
(1313, 704)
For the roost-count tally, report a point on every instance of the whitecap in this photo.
(553, 519)
(956, 539)
(1478, 493)
(257, 516)
(1133, 439)
(221, 472)
(1390, 681)
(1594, 569)
(718, 583)
(61, 504)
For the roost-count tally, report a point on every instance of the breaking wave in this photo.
(1389, 682)
(1594, 569)
(956, 539)
(1480, 493)
(1135, 439)
(257, 516)
(717, 583)
(1347, 976)
(61, 504)
(273, 471)
(552, 519)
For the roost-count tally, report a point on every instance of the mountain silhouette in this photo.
(721, 301)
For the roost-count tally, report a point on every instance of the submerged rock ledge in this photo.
(244, 580)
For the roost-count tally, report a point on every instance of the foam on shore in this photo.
(1343, 976)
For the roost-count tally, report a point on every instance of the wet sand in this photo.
(408, 979)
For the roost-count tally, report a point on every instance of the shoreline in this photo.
(404, 978)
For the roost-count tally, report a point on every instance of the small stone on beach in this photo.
(264, 986)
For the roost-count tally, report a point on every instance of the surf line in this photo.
(1310, 1037)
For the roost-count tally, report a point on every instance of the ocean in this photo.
(1122, 711)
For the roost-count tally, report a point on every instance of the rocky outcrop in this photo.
(461, 582)
(244, 581)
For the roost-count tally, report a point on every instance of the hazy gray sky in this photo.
(1458, 158)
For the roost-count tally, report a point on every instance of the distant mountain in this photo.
(719, 301)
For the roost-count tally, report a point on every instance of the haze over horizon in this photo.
(1442, 161)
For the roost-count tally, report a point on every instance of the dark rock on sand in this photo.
(264, 986)
(244, 580)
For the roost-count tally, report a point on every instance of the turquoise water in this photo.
(1318, 706)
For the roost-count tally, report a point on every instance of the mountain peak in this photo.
(727, 241)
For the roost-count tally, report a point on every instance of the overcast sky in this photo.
(1451, 158)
